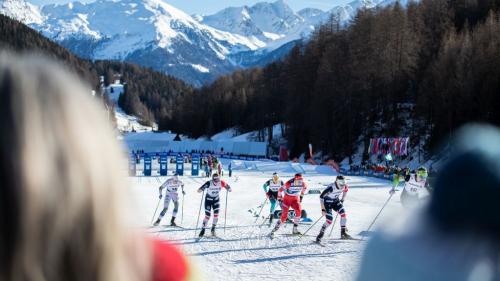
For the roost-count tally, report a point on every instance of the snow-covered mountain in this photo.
(273, 23)
(146, 32)
(267, 21)
(21, 11)
(153, 33)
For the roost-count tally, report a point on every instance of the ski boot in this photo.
(213, 230)
(276, 227)
(295, 230)
(343, 234)
(157, 222)
(172, 222)
(320, 236)
(202, 232)
(271, 235)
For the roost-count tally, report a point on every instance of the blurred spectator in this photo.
(457, 238)
(62, 185)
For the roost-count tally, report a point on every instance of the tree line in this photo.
(150, 95)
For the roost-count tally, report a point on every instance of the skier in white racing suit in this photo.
(271, 188)
(415, 184)
(172, 186)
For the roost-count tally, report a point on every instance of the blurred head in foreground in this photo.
(61, 182)
(458, 235)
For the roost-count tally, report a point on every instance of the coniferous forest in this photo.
(421, 70)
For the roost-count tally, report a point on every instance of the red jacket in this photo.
(294, 187)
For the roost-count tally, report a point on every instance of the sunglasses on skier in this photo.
(341, 183)
(422, 175)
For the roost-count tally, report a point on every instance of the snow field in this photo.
(244, 252)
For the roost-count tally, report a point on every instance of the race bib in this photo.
(296, 187)
(274, 187)
(213, 191)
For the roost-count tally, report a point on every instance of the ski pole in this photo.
(199, 212)
(333, 225)
(261, 208)
(159, 200)
(156, 210)
(303, 234)
(376, 217)
(264, 220)
(225, 212)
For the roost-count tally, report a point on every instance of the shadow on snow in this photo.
(289, 257)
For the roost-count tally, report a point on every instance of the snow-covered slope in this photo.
(243, 251)
(127, 123)
(268, 21)
(124, 122)
(274, 23)
(138, 23)
(234, 135)
(21, 11)
(155, 34)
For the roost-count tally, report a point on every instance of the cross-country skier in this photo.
(415, 182)
(206, 169)
(294, 190)
(271, 188)
(209, 163)
(213, 188)
(215, 161)
(219, 169)
(172, 186)
(332, 199)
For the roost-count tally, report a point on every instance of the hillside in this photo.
(16, 36)
(144, 86)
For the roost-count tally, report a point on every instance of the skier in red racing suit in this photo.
(293, 191)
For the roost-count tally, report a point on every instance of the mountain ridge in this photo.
(155, 34)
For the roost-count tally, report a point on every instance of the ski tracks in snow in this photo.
(244, 251)
(248, 255)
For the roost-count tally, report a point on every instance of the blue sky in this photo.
(212, 6)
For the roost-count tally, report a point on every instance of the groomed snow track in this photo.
(244, 252)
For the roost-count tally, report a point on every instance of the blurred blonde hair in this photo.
(60, 166)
